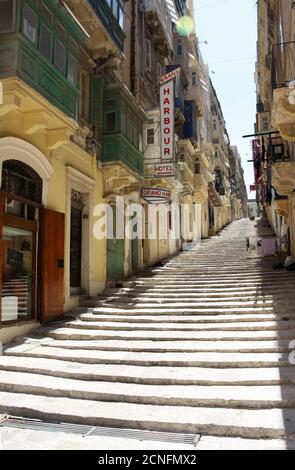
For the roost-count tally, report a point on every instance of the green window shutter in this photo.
(96, 102)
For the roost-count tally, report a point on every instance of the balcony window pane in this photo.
(60, 57)
(72, 69)
(115, 8)
(140, 143)
(47, 15)
(123, 124)
(110, 122)
(121, 17)
(45, 44)
(129, 129)
(30, 23)
(135, 137)
(6, 16)
(150, 137)
(61, 32)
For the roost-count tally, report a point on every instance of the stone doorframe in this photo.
(84, 184)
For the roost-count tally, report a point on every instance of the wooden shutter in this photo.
(96, 111)
(51, 265)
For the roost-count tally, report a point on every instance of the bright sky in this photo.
(230, 28)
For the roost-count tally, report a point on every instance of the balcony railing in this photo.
(283, 65)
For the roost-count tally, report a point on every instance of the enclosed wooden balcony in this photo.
(158, 20)
(104, 23)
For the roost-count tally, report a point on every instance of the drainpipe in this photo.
(143, 38)
(133, 47)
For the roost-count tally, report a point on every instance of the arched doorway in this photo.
(21, 194)
(31, 238)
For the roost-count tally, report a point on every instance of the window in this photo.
(115, 8)
(140, 142)
(123, 123)
(45, 42)
(118, 10)
(150, 137)
(60, 31)
(194, 78)
(30, 23)
(47, 15)
(148, 54)
(60, 57)
(72, 69)
(135, 137)
(121, 17)
(53, 40)
(110, 122)
(7, 9)
(197, 167)
(179, 47)
(129, 129)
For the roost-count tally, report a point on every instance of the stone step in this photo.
(270, 423)
(76, 334)
(171, 346)
(231, 326)
(149, 374)
(193, 302)
(162, 309)
(185, 359)
(255, 397)
(185, 319)
(171, 296)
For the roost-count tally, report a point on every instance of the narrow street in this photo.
(198, 345)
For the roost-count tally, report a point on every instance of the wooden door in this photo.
(51, 265)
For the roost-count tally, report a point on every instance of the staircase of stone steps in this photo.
(199, 345)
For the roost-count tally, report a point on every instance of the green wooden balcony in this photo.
(117, 149)
(18, 58)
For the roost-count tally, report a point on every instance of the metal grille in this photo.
(21, 180)
(84, 430)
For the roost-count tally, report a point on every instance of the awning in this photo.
(214, 197)
(172, 10)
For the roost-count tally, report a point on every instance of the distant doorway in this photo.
(76, 242)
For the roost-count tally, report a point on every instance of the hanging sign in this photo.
(156, 195)
(167, 122)
(164, 169)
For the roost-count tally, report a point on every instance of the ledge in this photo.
(283, 112)
(283, 177)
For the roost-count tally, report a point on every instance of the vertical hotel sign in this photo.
(167, 165)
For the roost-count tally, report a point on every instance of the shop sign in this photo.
(156, 195)
(164, 169)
